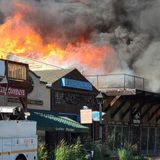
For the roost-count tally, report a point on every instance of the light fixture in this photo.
(100, 101)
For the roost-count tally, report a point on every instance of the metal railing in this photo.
(123, 81)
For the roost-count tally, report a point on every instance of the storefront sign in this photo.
(10, 91)
(86, 116)
(96, 115)
(29, 101)
(136, 117)
(76, 84)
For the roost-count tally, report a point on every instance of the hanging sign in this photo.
(86, 116)
(96, 115)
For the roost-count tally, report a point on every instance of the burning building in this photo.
(95, 36)
(106, 36)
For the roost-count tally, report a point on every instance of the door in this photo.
(6, 148)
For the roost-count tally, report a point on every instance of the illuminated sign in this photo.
(76, 84)
(96, 115)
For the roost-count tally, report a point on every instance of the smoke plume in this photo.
(130, 27)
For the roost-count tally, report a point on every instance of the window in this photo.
(158, 140)
(125, 139)
(118, 134)
(73, 99)
(17, 71)
(144, 140)
(59, 97)
(111, 137)
(151, 140)
(2, 66)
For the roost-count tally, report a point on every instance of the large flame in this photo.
(18, 37)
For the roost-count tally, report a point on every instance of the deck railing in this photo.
(123, 81)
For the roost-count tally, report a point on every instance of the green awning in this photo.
(50, 121)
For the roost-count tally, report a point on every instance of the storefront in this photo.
(53, 127)
(133, 120)
(39, 99)
(13, 84)
(132, 113)
(70, 91)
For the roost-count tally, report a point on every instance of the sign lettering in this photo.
(10, 91)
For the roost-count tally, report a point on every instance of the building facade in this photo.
(70, 92)
(132, 114)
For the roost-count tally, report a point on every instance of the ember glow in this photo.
(21, 38)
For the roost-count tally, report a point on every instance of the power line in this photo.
(33, 60)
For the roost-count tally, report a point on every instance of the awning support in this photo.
(106, 109)
(118, 109)
(153, 113)
(147, 110)
(127, 110)
(157, 118)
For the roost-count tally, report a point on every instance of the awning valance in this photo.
(48, 120)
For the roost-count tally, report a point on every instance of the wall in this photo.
(39, 98)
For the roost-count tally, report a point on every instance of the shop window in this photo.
(144, 140)
(158, 141)
(111, 137)
(136, 137)
(59, 97)
(151, 140)
(118, 137)
(125, 138)
(66, 98)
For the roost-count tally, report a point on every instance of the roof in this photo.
(50, 76)
(52, 121)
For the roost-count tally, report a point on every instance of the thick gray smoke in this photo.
(131, 27)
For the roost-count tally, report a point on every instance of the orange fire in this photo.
(18, 37)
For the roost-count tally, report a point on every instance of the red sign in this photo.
(10, 91)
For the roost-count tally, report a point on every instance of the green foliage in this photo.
(122, 154)
(128, 152)
(61, 151)
(69, 152)
(41, 152)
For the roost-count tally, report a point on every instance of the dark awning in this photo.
(48, 120)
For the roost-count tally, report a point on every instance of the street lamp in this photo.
(100, 101)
